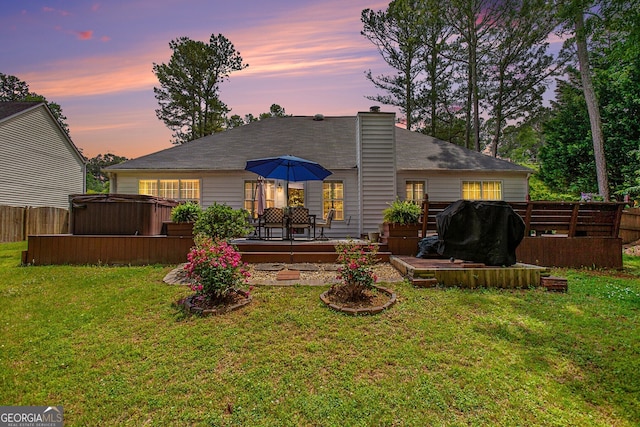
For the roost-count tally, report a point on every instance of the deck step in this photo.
(553, 283)
(298, 257)
(296, 246)
(424, 283)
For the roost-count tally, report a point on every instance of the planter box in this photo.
(401, 239)
(174, 229)
(403, 245)
(400, 230)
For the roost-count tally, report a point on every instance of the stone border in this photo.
(187, 304)
(361, 311)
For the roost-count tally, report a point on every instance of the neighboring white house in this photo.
(373, 163)
(39, 165)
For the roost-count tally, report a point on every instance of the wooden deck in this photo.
(431, 272)
(557, 235)
(110, 250)
(161, 249)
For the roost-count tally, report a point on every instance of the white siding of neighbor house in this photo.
(377, 168)
(447, 186)
(38, 165)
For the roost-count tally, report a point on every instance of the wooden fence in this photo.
(17, 223)
(630, 225)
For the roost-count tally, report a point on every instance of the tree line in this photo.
(473, 72)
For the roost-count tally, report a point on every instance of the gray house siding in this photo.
(39, 167)
(376, 166)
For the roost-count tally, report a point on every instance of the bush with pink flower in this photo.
(356, 271)
(215, 269)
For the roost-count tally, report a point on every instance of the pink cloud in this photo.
(95, 7)
(85, 35)
(94, 76)
(105, 38)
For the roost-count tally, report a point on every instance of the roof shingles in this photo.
(330, 142)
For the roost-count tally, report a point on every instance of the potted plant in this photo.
(401, 218)
(183, 216)
(401, 227)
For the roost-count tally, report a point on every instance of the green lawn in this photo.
(107, 344)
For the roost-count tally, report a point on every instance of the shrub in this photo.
(356, 270)
(185, 212)
(402, 212)
(222, 222)
(215, 268)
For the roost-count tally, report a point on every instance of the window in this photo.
(482, 190)
(169, 188)
(333, 197)
(251, 199)
(148, 187)
(415, 191)
(190, 189)
(180, 189)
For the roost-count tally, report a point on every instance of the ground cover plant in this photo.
(107, 344)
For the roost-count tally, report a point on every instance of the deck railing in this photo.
(570, 219)
(585, 234)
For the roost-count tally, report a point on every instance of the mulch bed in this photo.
(196, 304)
(375, 301)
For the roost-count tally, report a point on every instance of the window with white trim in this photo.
(251, 198)
(482, 190)
(148, 187)
(178, 189)
(414, 191)
(169, 188)
(333, 197)
(190, 189)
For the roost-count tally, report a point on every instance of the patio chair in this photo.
(299, 218)
(270, 219)
(326, 223)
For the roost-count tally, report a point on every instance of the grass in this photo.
(107, 344)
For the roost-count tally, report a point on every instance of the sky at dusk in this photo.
(95, 59)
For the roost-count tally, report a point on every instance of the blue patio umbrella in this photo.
(289, 168)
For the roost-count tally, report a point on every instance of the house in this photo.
(372, 160)
(40, 166)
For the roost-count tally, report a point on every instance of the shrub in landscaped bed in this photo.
(356, 271)
(223, 222)
(215, 269)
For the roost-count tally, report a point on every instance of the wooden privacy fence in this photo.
(17, 223)
(630, 225)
